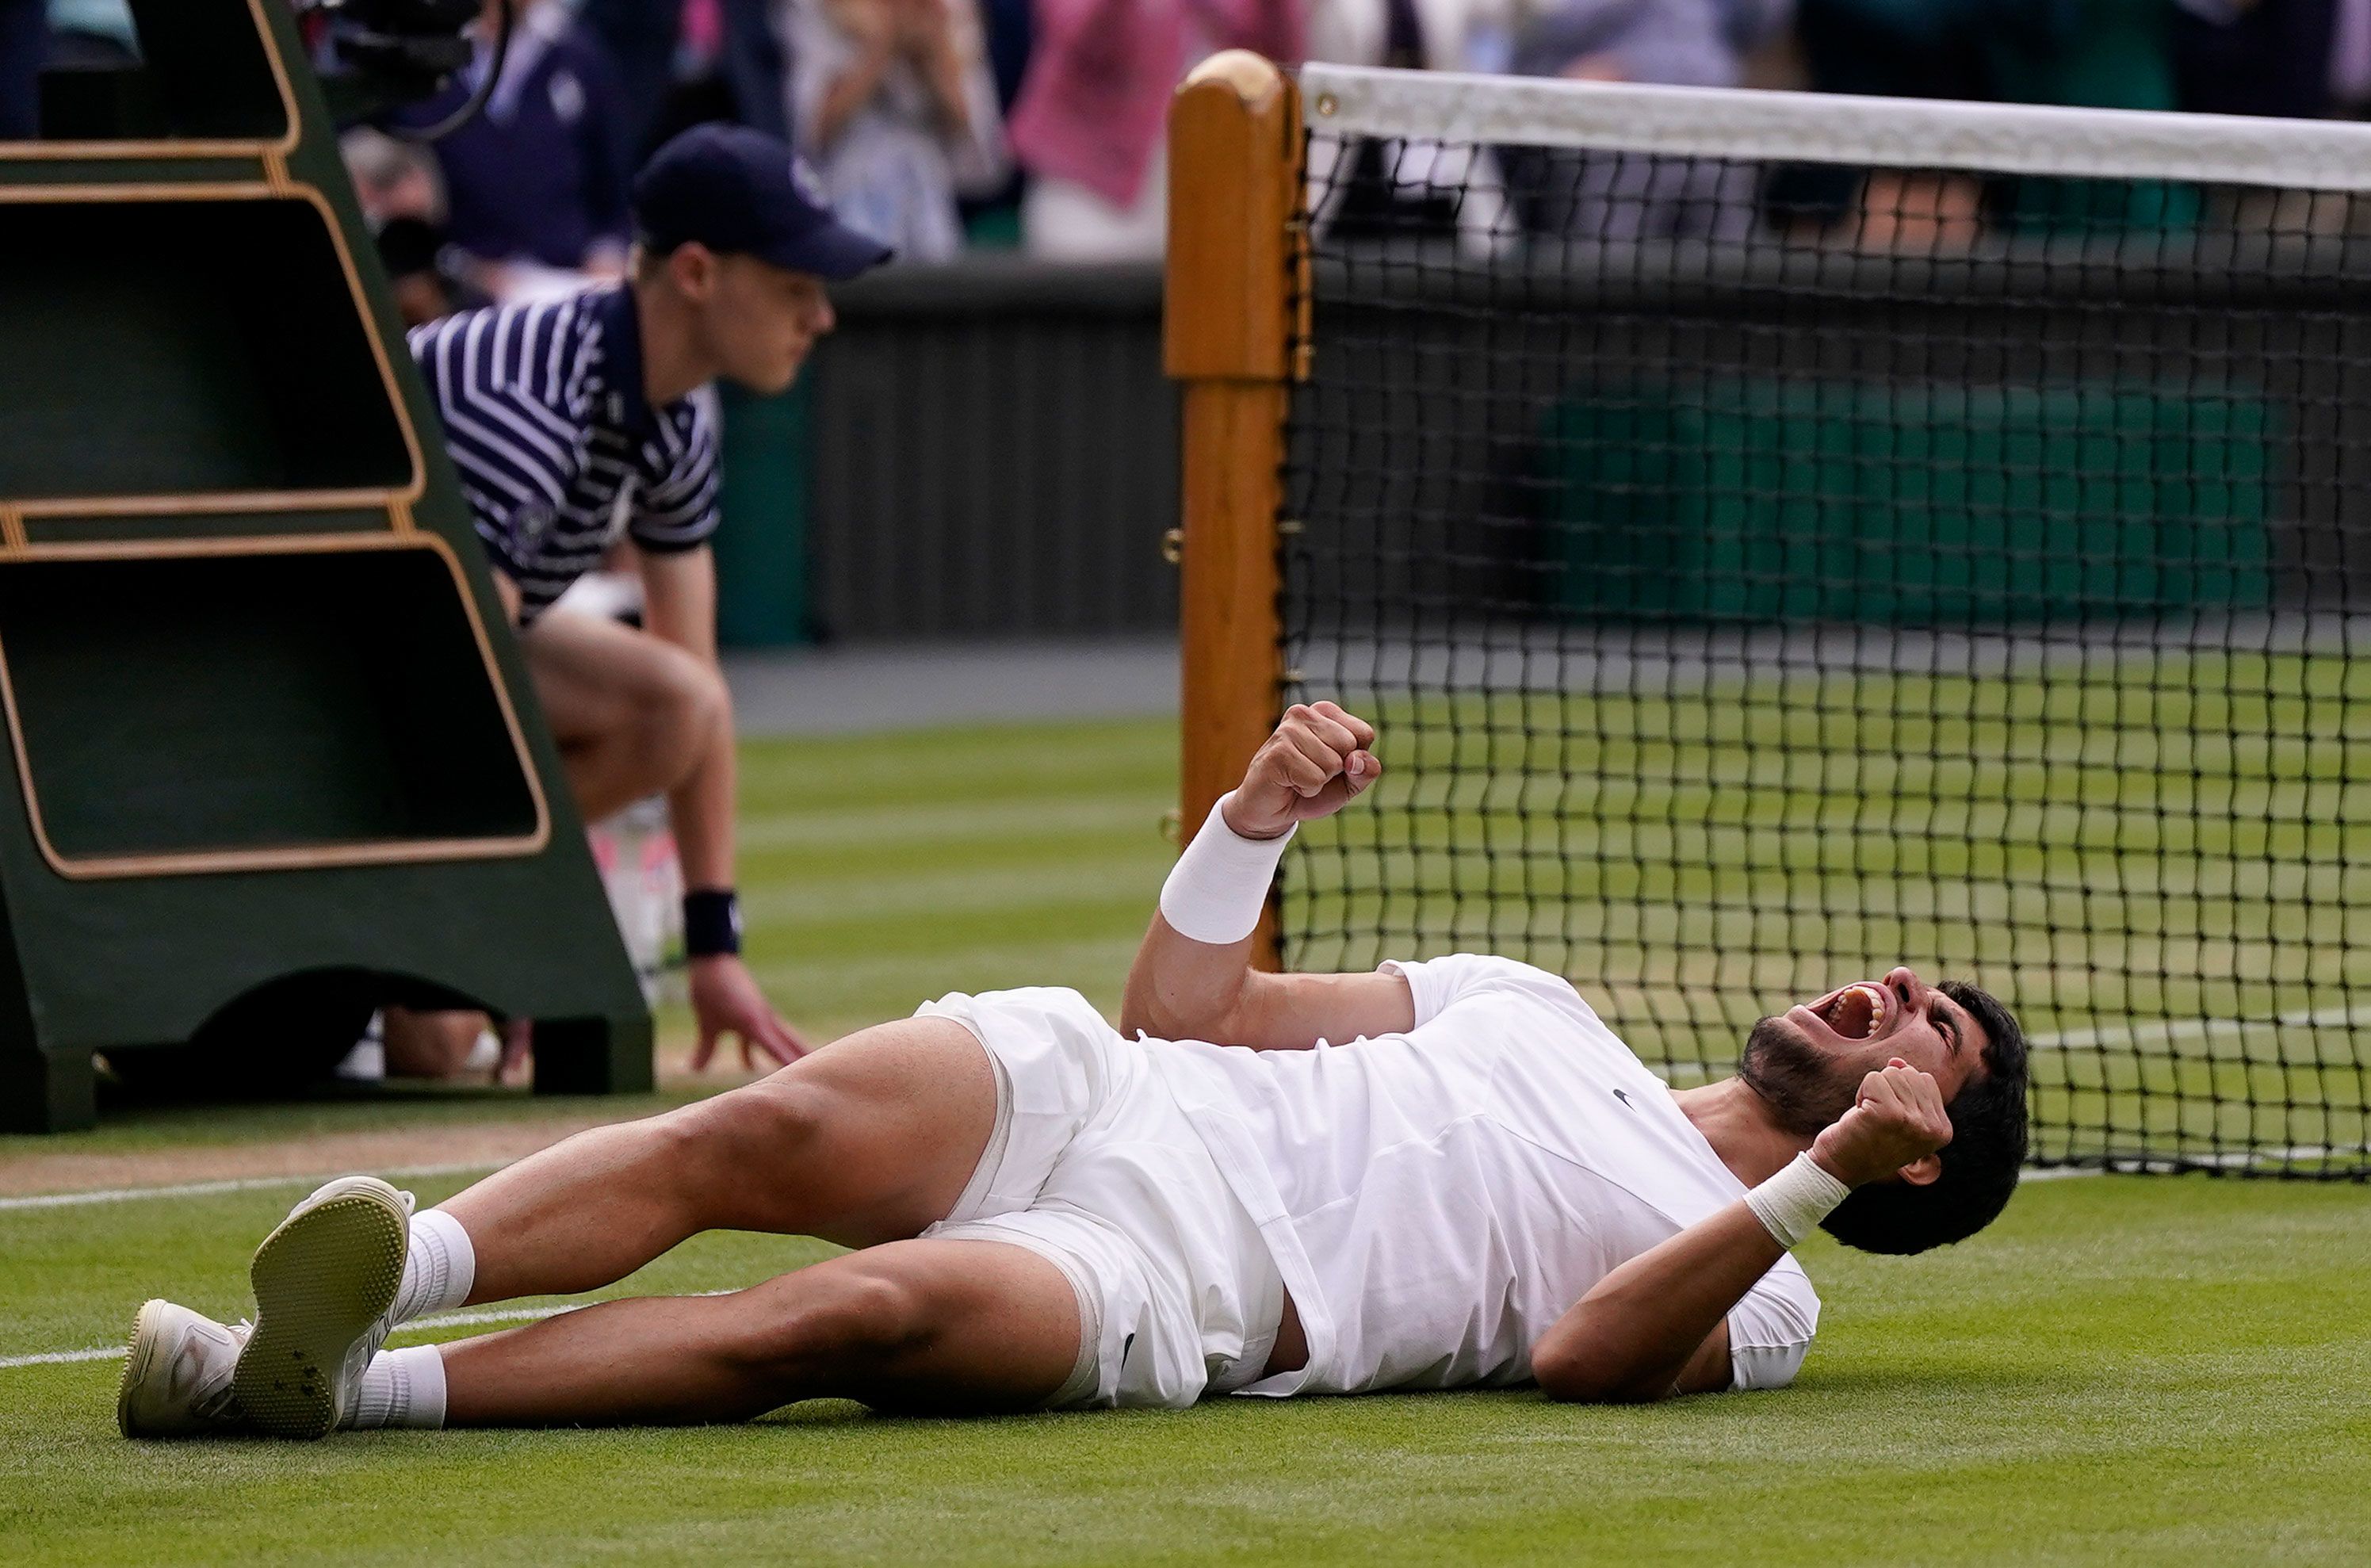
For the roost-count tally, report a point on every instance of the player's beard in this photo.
(1808, 1089)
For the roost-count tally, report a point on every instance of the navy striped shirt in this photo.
(559, 450)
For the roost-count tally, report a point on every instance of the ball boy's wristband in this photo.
(711, 923)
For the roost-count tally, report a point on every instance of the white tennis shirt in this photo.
(1435, 1200)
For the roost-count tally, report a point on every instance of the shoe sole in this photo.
(138, 1351)
(321, 1280)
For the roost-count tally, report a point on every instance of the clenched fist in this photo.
(1315, 764)
(1898, 1120)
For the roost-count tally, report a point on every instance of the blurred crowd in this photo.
(942, 125)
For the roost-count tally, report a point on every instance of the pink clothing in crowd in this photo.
(1096, 95)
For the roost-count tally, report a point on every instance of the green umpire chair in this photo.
(273, 759)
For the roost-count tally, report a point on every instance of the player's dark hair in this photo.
(1979, 1163)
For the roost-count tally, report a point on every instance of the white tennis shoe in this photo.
(324, 1281)
(177, 1374)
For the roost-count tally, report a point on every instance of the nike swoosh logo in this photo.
(1624, 1098)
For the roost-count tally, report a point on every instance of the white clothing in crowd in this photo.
(896, 165)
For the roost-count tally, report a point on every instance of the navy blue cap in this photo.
(742, 193)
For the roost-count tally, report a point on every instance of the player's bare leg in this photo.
(937, 1325)
(868, 1140)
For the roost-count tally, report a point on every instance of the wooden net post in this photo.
(1237, 250)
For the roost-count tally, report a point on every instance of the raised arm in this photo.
(1658, 1325)
(1180, 988)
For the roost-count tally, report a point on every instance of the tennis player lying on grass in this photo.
(1483, 1186)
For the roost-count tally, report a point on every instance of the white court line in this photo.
(238, 1185)
(441, 1320)
(2267, 1159)
(445, 1320)
(60, 1357)
(2154, 1031)
(2239, 1160)
(526, 1314)
(2170, 1031)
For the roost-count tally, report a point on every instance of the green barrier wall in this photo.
(1758, 500)
(761, 551)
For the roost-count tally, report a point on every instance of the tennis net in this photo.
(1782, 537)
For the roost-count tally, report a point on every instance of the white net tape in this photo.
(1343, 100)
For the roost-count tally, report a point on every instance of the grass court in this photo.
(2123, 1370)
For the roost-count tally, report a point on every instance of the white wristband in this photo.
(1799, 1197)
(1218, 887)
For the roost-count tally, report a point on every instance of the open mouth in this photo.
(1853, 1012)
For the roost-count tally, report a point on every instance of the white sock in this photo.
(438, 1269)
(399, 1387)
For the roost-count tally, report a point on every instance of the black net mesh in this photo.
(1763, 575)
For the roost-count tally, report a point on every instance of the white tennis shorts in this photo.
(1094, 1168)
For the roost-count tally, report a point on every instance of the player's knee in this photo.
(762, 1133)
(875, 1315)
(850, 1320)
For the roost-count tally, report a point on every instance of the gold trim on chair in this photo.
(214, 503)
(269, 147)
(244, 501)
(292, 857)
